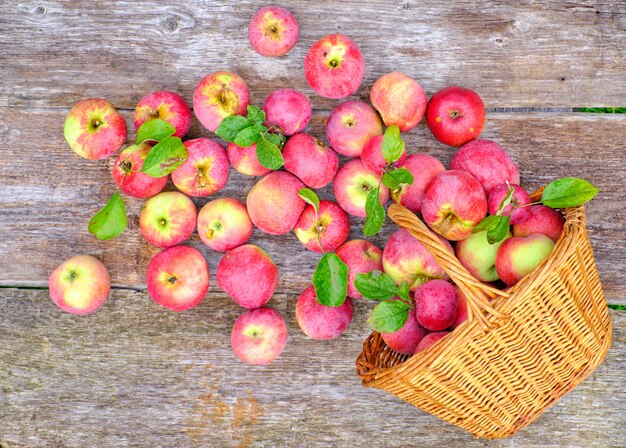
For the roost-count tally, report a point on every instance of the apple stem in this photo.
(455, 114)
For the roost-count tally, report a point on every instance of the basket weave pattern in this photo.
(518, 352)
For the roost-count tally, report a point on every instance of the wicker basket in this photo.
(518, 352)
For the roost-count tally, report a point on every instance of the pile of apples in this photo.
(482, 180)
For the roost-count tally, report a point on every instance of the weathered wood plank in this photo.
(135, 374)
(547, 53)
(47, 195)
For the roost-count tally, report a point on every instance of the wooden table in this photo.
(134, 374)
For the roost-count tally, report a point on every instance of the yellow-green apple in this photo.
(245, 161)
(322, 322)
(478, 256)
(350, 126)
(166, 105)
(224, 224)
(311, 160)
(488, 162)
(273, 31)
(461, 309)
(273, 203)
(259, 336)
(80, 285)
(455, 115)
(361, 256)
(326, 233)
(167, 219)
(405, 259)
(372, 156)
(516, 210)
(353, 183)
(453, 203)
(128, 176)
(429, 340)
(248, 275)
(205, 171)
(288, 109)
(334, 66)
(540, 219)
(424, 169)
(436, 304)
(219, 95)
(405, 339)
(518, 256)
(94, 129)
(399, 99)
(178, 278)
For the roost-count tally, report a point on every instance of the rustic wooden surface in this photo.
(134, 374)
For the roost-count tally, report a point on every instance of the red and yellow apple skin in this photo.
(322, 322)
(80, 285)
(205, 171)
(273, 31)
(436, 305)
(361, 256)
(353, 183)
(453, 204)
(328, 232)
(245, 160)
(540, 219)
(478, 256)
(455, 115)
(405, 259)
(167, 219)
(517, 210)
(518, 256)
(288, 109)
(351, 125)
(405, 339)
(273, 203)
(334, 66)
(311, 160)
(166, 105)
(248, 275)
(178, 278)
(372, 156)
(399, 99)
(94, 129)
(429, 340)
(259, 336)
(224, 224)
(424, 169)
(219, 95)
(128, 176)
(488, 162)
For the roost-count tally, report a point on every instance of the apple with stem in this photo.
(128, 176)
(311, 160)
(219, 95)
(259, 336)
(288, 109)
(224, 224)
(206, 169)
(273, 31)
(166, 105)
(353, 183)
(350, 126)
(361, 256)
(167, 219)
(325, 230)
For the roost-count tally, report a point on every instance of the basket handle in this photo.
(476, 293)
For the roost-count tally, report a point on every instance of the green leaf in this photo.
(309, 196)
(403, 292)
(274, 139)
(393, 146)
(155, 129)
(393, 178)
(388, 317)
(269, 154)
(508, 199)
(375, 285)
(330, 280)
(110, 221)
(165, 157)
(231, 126)
(568, 192)
(256, 114)
(250, 135)
(375, 214)
(486, 224)
(499, 231)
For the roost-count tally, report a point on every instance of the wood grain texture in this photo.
(48, 195)
(516, 54)
(135, 374)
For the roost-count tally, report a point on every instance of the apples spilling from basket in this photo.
(477, 206)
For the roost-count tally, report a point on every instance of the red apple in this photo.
(273, 31)
(80, 285)
(128, 176)
(224, 224)
(372, 156)
(322, 322)
(429, 340)
(478, 256)
(353, 183)
(361, 256)
(518, 256)
(516, 210)
(248, 275)
(288, 109)
(166, 105)
(424, 169)
(334, 66)
(350, 126)
(311, 160)
(328, 232)
(436, 305)
(178, 278)
(259, 336)
(220, 95)
(167, 219)
(245, 161)
(405, 339)
(540, 219)
(461, 309)
(455, 115)
(205, 171)
(399, 99)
